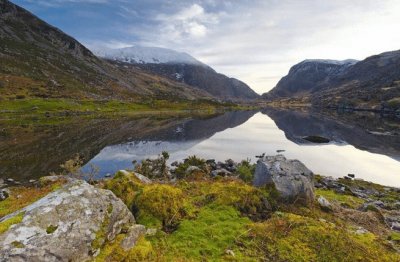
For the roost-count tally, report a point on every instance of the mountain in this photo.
(180, 67)
(309, 76)
(371, 83)
(39, 60)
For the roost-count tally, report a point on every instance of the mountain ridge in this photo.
(187, 70)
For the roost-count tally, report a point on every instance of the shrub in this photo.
(154, 168)
(246, 171)
(181, 169)
(164, 202)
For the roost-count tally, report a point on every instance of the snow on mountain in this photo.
(332, 62)
(147, 55)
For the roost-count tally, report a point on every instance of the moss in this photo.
(289, 237)
(205, 238)
(112, 251)
(180, 170)
(5, 225)
(18, 244)
(163, 202)
(394, 236)
(101, 234)
(125, 186)
(50, 229)
(342, 199)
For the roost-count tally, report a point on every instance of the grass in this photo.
(206, 238)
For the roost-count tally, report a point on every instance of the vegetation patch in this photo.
(290, 237)
(5, 225)
(21, 197)
(205, 238)
(342, 199)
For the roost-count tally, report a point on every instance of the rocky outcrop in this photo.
(70, 224)
(291, 178)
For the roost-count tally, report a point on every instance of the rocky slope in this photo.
(182, 68)
(309, 76)
(39, 60)
(370, 83)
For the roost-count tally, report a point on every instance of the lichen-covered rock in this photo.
(133, 235)
(70, 224)
(324, 204)
(291, 178)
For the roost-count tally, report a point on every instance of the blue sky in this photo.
(256, 41)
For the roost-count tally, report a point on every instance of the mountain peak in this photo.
(147, 55)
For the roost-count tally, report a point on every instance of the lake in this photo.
(364, 144)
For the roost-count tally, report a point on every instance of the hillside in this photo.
(182, 68)
(370, 83)
(39, 60)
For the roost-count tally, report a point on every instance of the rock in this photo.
(52, 179)
(325, 204)
(317, 139)
(291, 178)
(142, 178)
(69, 224)
(151, 231)
(191, 169)
(230, 252)
(361, 231)
(107, 175)
(175, 163)
(32, 181)
(10, 180)
(134, 233)
(395, 226)
(4, 194)
(220, 172)
(351, 175)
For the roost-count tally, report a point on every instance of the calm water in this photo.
(258, 134)
(366, 145)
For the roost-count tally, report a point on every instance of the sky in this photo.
(256, 41)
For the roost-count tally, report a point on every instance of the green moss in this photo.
(205, 238)
(163, 202)
(395, 236)
(125, 186)
(101, 234)
(18, 244)
(50, 229)
(289, 237)
(343, 199)
(5, 225)
(112, 251)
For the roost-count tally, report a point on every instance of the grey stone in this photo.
(133, 235)
(395, 226)
(142, 178)
(4, 194)
(220, 172)
(78, 211)
(191, 169)
(291, 178)
(325, 204)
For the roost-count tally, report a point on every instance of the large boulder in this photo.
(291, 178)
(70, 224)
